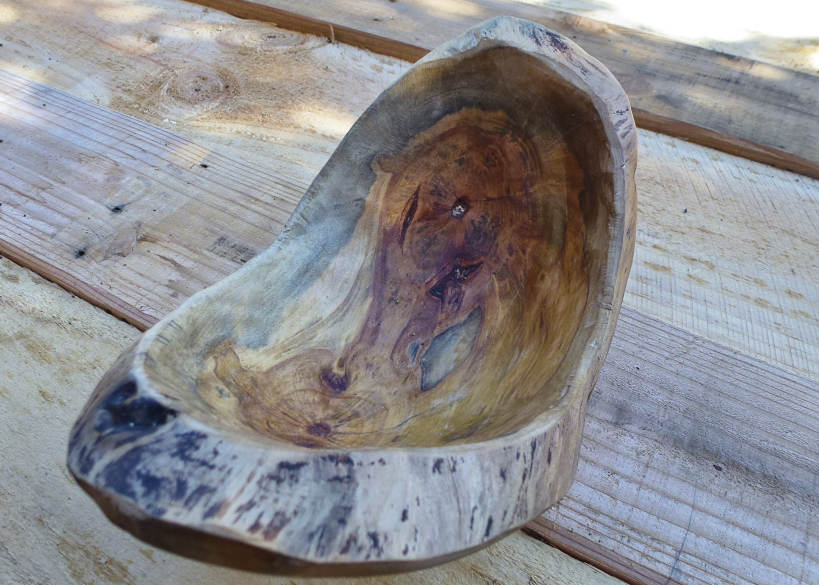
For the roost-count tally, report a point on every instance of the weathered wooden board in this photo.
(759, 111)
(138, 191)
(269, 97)
(656, 425)
(701, 272)
(726, 250)
(698, 463)
(293, 102)
(785, 37)
(50, 531)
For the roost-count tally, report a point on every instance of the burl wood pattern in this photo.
(475, 290)
(402, 376)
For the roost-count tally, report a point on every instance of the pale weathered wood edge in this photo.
(588, 551)
(89, 293)
(337, 32)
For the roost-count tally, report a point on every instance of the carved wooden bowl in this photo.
(402, 376)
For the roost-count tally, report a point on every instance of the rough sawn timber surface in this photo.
(659, 441)
(706, 257)
(744, 107)
(698, 465)
(359, 397)
(50, 532)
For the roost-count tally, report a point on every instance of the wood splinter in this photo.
(401, 377)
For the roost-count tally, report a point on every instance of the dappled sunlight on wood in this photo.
(318, 119)
(814, 58)
(8, 14)
(23, 70)
(235, 82)
(450, 7)
(785, 35)
(136, 44)
(128, 14)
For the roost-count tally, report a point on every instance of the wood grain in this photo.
(52, 533)
(734, 27)
(148, 192)
(751, 109)
(706, 258)
(697, 265)
(698, 465)
(266, 96)
(144, 259)
(726, 250)
(460, 258)
(676, 450)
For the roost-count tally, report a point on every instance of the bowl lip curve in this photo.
(567, 59)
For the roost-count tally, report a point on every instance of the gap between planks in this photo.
(747, 108)
(658, 410)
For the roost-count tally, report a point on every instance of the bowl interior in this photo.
(437, 284)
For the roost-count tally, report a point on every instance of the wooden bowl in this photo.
(402, 376)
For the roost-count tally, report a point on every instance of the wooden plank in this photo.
(137, 192)
(288, 112)
(735, 27)
(691, 403)
(698, 465)
(268, 97)
(590, 551)
(744, 107)
(166, 240)
(726, 250)
(51, 532)
(698, 270)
